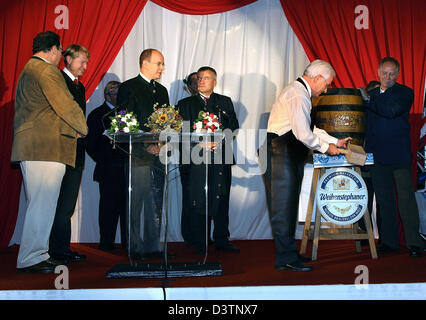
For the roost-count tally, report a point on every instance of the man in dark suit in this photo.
(388, 138)
(139, 95)
(109, 170)
(219, 176)
(76, 58)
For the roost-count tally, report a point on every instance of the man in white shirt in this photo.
(290, 136)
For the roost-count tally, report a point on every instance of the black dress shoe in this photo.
(228, 248)
(68, 256)
(416, 252)
(384, 249)
(46, 266)
(295, 266)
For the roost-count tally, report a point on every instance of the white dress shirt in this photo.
(292, 111)
(69, 74)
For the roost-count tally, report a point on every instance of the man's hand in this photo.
(209, 146)
(365, 96)
(153, 149)
(343, 143)
(333, 150)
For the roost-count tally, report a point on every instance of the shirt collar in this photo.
(42, 59)
(144, 77)
(109, 104)
(69, 74)
(307, 86)
(204, 96)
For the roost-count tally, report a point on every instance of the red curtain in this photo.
(100, 26)
(198, 7)
(332, 30)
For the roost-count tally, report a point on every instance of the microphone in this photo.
(108, 113)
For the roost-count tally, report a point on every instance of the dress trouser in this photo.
(366, 175)
(112, 205)
(42, 182)
(385, 177)
(146, 207)
(194, 220)
(286, 169)
(60, 236)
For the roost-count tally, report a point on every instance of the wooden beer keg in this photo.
(341, 113)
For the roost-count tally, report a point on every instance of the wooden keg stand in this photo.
(341, 113)
(333, 232)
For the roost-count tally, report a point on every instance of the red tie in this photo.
(76, 81)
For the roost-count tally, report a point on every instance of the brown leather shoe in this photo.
(46, 266)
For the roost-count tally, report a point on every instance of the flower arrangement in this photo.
(164, 118)
(124, 122)
(206, 122)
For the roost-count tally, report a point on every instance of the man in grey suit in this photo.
(47, 124)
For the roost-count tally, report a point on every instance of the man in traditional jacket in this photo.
(139, 95)
(219, 174)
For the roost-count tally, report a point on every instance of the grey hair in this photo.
(319, 67)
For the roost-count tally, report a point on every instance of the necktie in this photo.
(206, 100)
(76, 81)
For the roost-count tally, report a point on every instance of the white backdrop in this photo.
(255, 53)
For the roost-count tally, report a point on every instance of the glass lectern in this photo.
(147, 171)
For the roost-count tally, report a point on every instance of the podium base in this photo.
(157, 270)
